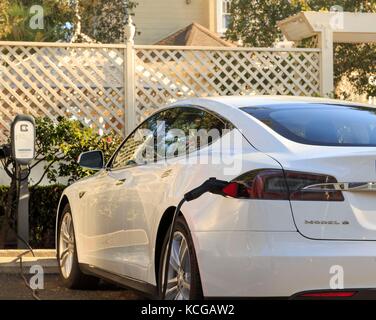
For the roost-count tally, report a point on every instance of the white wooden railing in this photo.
(112, 87)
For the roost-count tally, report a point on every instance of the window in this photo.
(189, 129)
(223, 15)
(169, 133)
(320, 124)
(138, 148)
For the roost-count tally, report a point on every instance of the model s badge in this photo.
(332, 222)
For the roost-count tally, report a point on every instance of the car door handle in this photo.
(120, 182)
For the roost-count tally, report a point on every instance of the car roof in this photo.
(254, 101)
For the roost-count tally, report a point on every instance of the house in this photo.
(158, 19)
(195, 35)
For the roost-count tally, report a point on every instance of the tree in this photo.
(16, 17)
(255, 23)
(101, 20)
(5, 26)
(104, 20)
(62, 142)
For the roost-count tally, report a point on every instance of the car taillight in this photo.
(274, 184)
(259, 184)
(296, 181)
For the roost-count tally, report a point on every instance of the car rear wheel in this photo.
(69, 268)
(184, 281)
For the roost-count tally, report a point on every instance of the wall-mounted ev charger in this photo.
(23, 139)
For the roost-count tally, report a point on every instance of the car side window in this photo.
(188, 129)
(138, 148)
(169, 133)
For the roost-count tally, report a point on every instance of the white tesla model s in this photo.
(297, 217)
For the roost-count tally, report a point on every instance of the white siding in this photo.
(156, 19)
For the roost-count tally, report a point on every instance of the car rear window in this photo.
(320, 124)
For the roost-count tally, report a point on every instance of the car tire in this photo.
(69, 269)
(186, 271)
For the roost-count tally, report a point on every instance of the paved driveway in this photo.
(12, 287)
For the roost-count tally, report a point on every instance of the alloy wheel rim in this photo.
(179, 271)
(66, 245)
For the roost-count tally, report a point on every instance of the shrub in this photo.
(58, 145)
(43, 205)
(62, 142)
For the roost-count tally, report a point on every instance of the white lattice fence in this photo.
(76, 81)
(164, 74)
(91, 83)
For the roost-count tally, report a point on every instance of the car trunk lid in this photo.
(355, 170)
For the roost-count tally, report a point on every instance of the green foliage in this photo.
(62, 142)
(255, 22)
(16, 16)
(104, 20)
(44, 201)
(43, 206)
(357, 63)
(58, 146)
(5, 26)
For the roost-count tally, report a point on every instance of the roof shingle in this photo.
(194, 35)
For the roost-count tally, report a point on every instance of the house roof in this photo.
(195, 35)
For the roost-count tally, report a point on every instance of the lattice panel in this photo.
(166, 74)
(86, 82)
(81, 83)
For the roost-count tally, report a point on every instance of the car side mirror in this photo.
(93, 160)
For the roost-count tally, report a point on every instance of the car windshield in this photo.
(320, 124)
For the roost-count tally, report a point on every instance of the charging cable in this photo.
(212, 185)
(5, 159)
(19, 258)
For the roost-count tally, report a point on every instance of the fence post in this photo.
(325, 40)
(129, 79)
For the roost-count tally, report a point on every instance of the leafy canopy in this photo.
(15, 16)
(61, 143)
(102, 20)
(255, 23)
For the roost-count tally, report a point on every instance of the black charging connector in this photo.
(212, 185)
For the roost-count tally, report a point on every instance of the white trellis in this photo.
(78, 81)
(112, 87)
(165, 74)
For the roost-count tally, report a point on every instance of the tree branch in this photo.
(38, 162)
(45, 172)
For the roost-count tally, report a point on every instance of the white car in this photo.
(297, 219)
